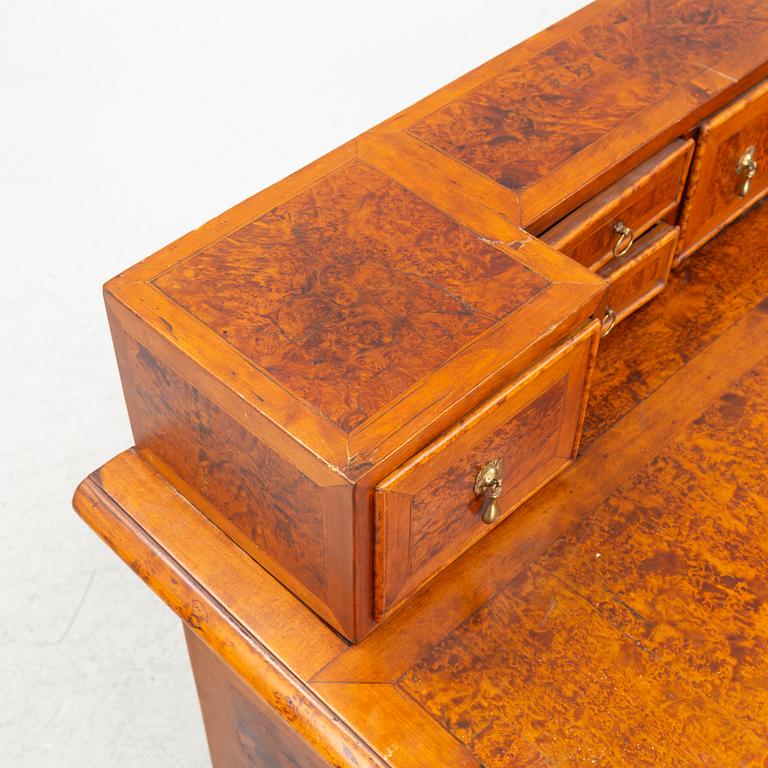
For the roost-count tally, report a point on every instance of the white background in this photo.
(122, 126)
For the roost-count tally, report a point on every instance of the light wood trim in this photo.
(383, 714)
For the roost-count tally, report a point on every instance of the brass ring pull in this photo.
(609, 321)
(488, 484)
(626, 238)
(747, 167)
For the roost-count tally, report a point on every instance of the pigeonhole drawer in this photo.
(638, 276)
(606, 226)
(459, 487)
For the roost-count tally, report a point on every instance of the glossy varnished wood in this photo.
(350, 292)
(243, 730)
(315, 376)
(636, 639)
(284, 358)
(704, 297)
(641, 274)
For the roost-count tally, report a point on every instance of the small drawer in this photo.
(605, 227)
(636, 277)
(427, 512)
(730, 169)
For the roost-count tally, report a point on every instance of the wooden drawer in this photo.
(638, 200)
(427, 512)
(720, 189)
(636, 277)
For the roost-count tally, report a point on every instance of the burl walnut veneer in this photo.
(359, 395)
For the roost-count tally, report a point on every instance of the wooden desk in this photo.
(618, 616)
(638, 639)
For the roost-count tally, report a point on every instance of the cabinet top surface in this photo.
(351, 291)
(553, 114)
(345, 297)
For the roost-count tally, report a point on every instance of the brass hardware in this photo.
(626, 238)
(488, 484)
(609, 321)
(747, 167)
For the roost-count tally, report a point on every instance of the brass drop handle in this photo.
(626, 238)
(609, 321)
(747, 167)
(488, 484)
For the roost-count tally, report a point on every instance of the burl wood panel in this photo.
(427, 512)
(538, 678)
(646, 645)
(245, 487)
(639, 200)
(683, 554)
(351, 291)
(712, 200)
(544, 109)
(243, 730)
(703, 297)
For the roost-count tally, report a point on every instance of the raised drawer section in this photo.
(605, 226)
(427, 512)
(730, 169)
(636, 277)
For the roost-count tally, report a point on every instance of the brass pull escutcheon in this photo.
(747, 167)
(488, 484)
(609, 321)
(626, 238)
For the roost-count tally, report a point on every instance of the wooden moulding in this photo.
(172, 547)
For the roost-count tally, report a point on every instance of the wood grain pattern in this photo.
(543, 666)
(284, 359)
(712, 200)
(126, 500)
(638, 200)
(555, 123)
(703, 298)
(640, 275)
(524, 123)
(427, 512)
(334, 332)
(247, 489)
(242, 730)
(537, 675)
(351, 291)
(682, 558)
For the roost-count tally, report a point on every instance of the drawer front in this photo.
(723, 180)
(637, 201)
(427, 512)
(636, 277)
